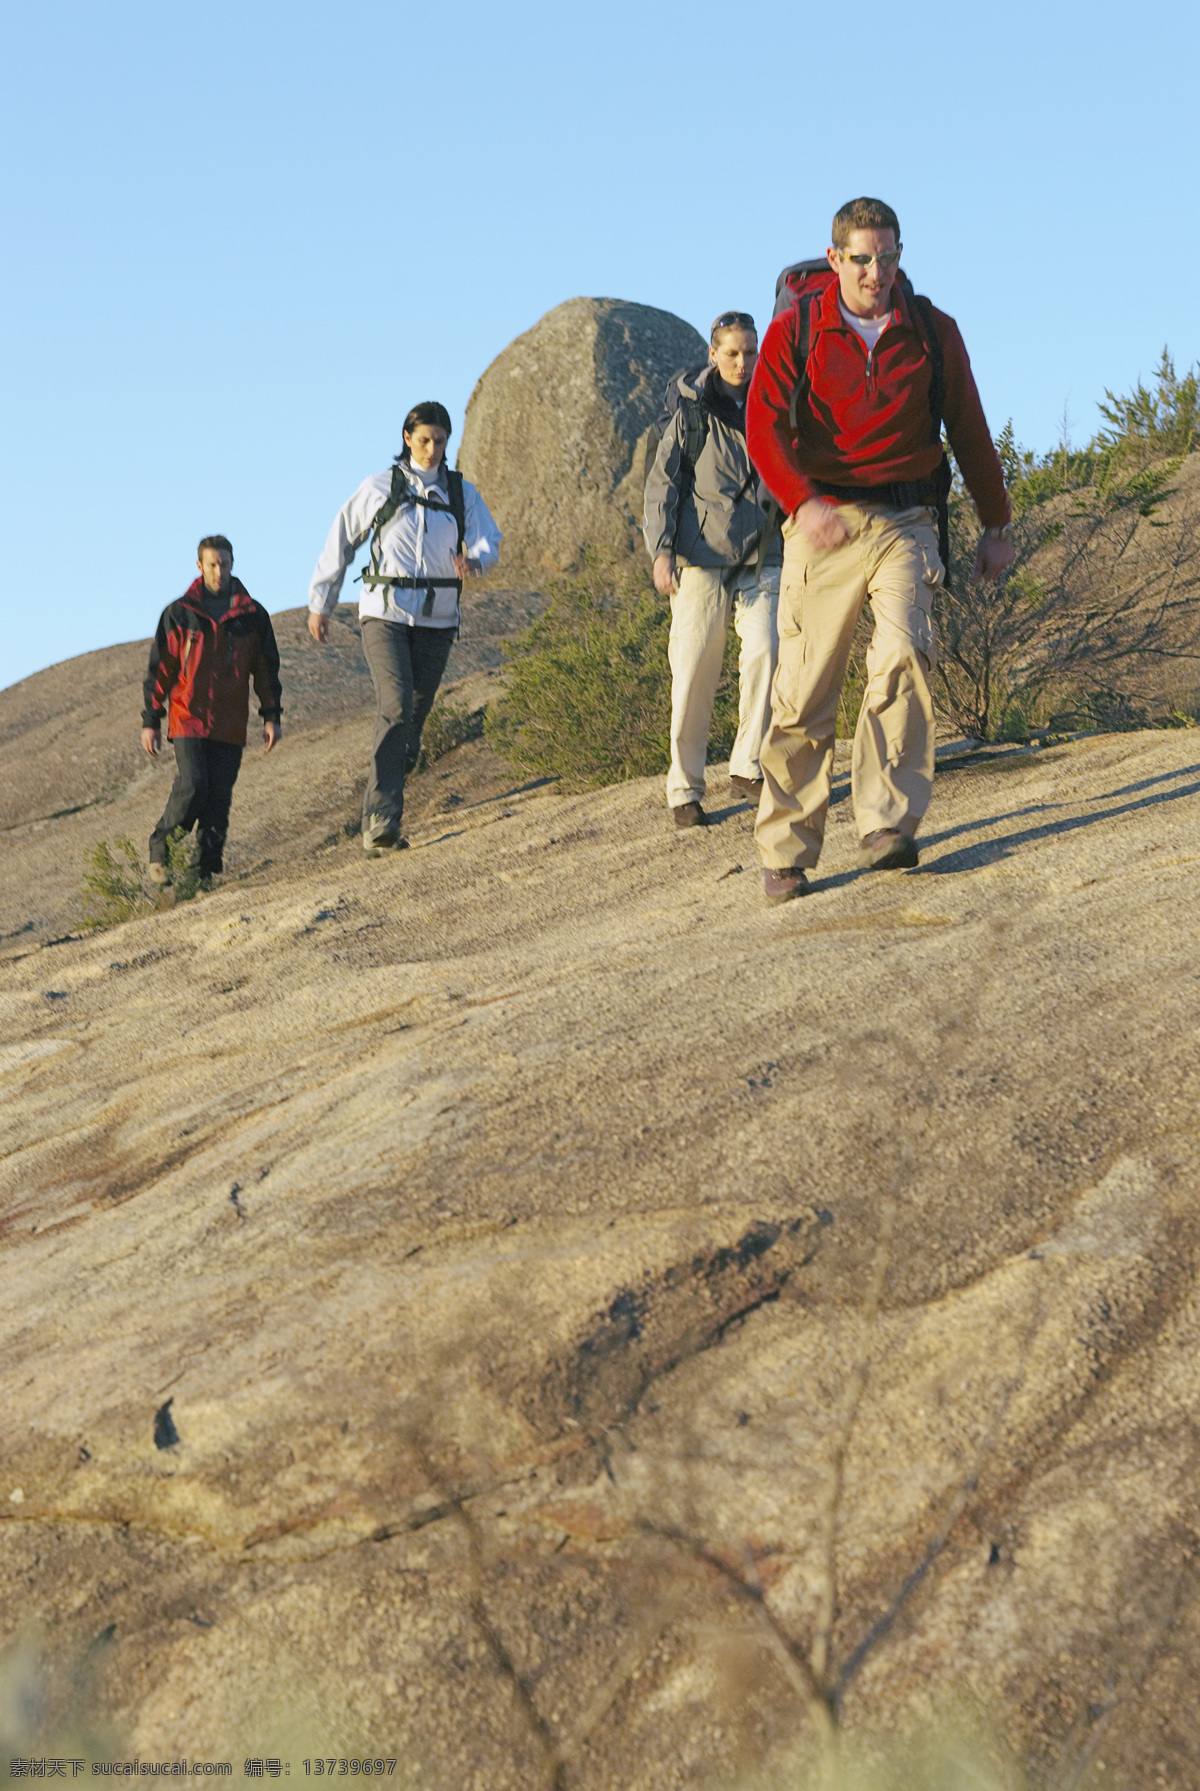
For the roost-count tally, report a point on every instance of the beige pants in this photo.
(892, 557)
(700, 611)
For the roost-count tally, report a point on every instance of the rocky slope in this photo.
(485, 1307)
(72, 769)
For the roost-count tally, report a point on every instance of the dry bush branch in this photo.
(454, 1505)
(654, 1621)
(960, 1499)
(1101, 1723)
(813, 1671)
(1105, 588)
(856, 1386)
(555, 1751)
(792, 1655)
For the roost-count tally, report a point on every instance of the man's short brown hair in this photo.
(218, 543)
(863, 214)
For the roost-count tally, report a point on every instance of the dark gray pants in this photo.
(406, 666)
(200, 797)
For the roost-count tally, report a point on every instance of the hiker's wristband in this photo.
(999, 531)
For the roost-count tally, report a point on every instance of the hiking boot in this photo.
(887, 849)
(784, 885)
(689, 814)
(749, 787)
(379, 835)
(160, 874)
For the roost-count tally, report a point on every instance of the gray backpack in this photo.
(695, 425)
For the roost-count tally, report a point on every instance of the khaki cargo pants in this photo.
(700, 612)
(892, 557)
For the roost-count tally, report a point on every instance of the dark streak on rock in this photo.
(165, 1433)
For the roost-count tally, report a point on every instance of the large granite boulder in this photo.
(556, 427)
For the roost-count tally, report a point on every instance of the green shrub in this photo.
(114, 888)
(587, 696)
(183, 861)
(448, 725)
(588, 692)
(1153, 422)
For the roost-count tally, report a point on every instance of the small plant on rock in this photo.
(183, 861)
(115, 888)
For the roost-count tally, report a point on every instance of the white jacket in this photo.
(416, 542)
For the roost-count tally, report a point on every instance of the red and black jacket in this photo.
(863, 419)
(205, 668)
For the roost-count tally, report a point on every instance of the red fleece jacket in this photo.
(865, 419)
(204, 668)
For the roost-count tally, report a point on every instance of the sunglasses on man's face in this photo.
(887, 258)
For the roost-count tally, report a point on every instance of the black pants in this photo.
(200, 797)
(406, 666)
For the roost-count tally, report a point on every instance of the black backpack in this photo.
(695, 425)
(800, 285)
(402, 493)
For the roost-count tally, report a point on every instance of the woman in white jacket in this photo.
(431, 530)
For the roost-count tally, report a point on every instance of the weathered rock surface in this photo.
(494, 1225)
(571, 401)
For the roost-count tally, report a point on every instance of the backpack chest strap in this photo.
(402, 492)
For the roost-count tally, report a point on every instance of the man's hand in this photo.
(318, 626)
(152, 741)
(465, 568)
(271, 733)
(664, 574)
(992, 557)
(820, 523)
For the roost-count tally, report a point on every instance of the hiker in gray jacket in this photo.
(705, 524)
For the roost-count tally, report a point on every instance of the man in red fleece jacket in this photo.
(208, 646)
(853, 463)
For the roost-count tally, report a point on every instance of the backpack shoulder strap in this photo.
(694, 422)
(396, 496)
(923, 317)
(695, 430)
(454, 481)
(922, 312)
(401, 492)
(805, 303)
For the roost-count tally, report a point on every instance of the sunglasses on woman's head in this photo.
(732, 320)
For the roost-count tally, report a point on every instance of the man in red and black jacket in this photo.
(208, 646)
(843, 422)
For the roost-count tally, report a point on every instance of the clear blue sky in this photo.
(241, 239)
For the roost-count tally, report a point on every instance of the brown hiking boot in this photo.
(887, 850)
(750, 787)
(689, 814)
(785, 885)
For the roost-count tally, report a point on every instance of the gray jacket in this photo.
(716, 520)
